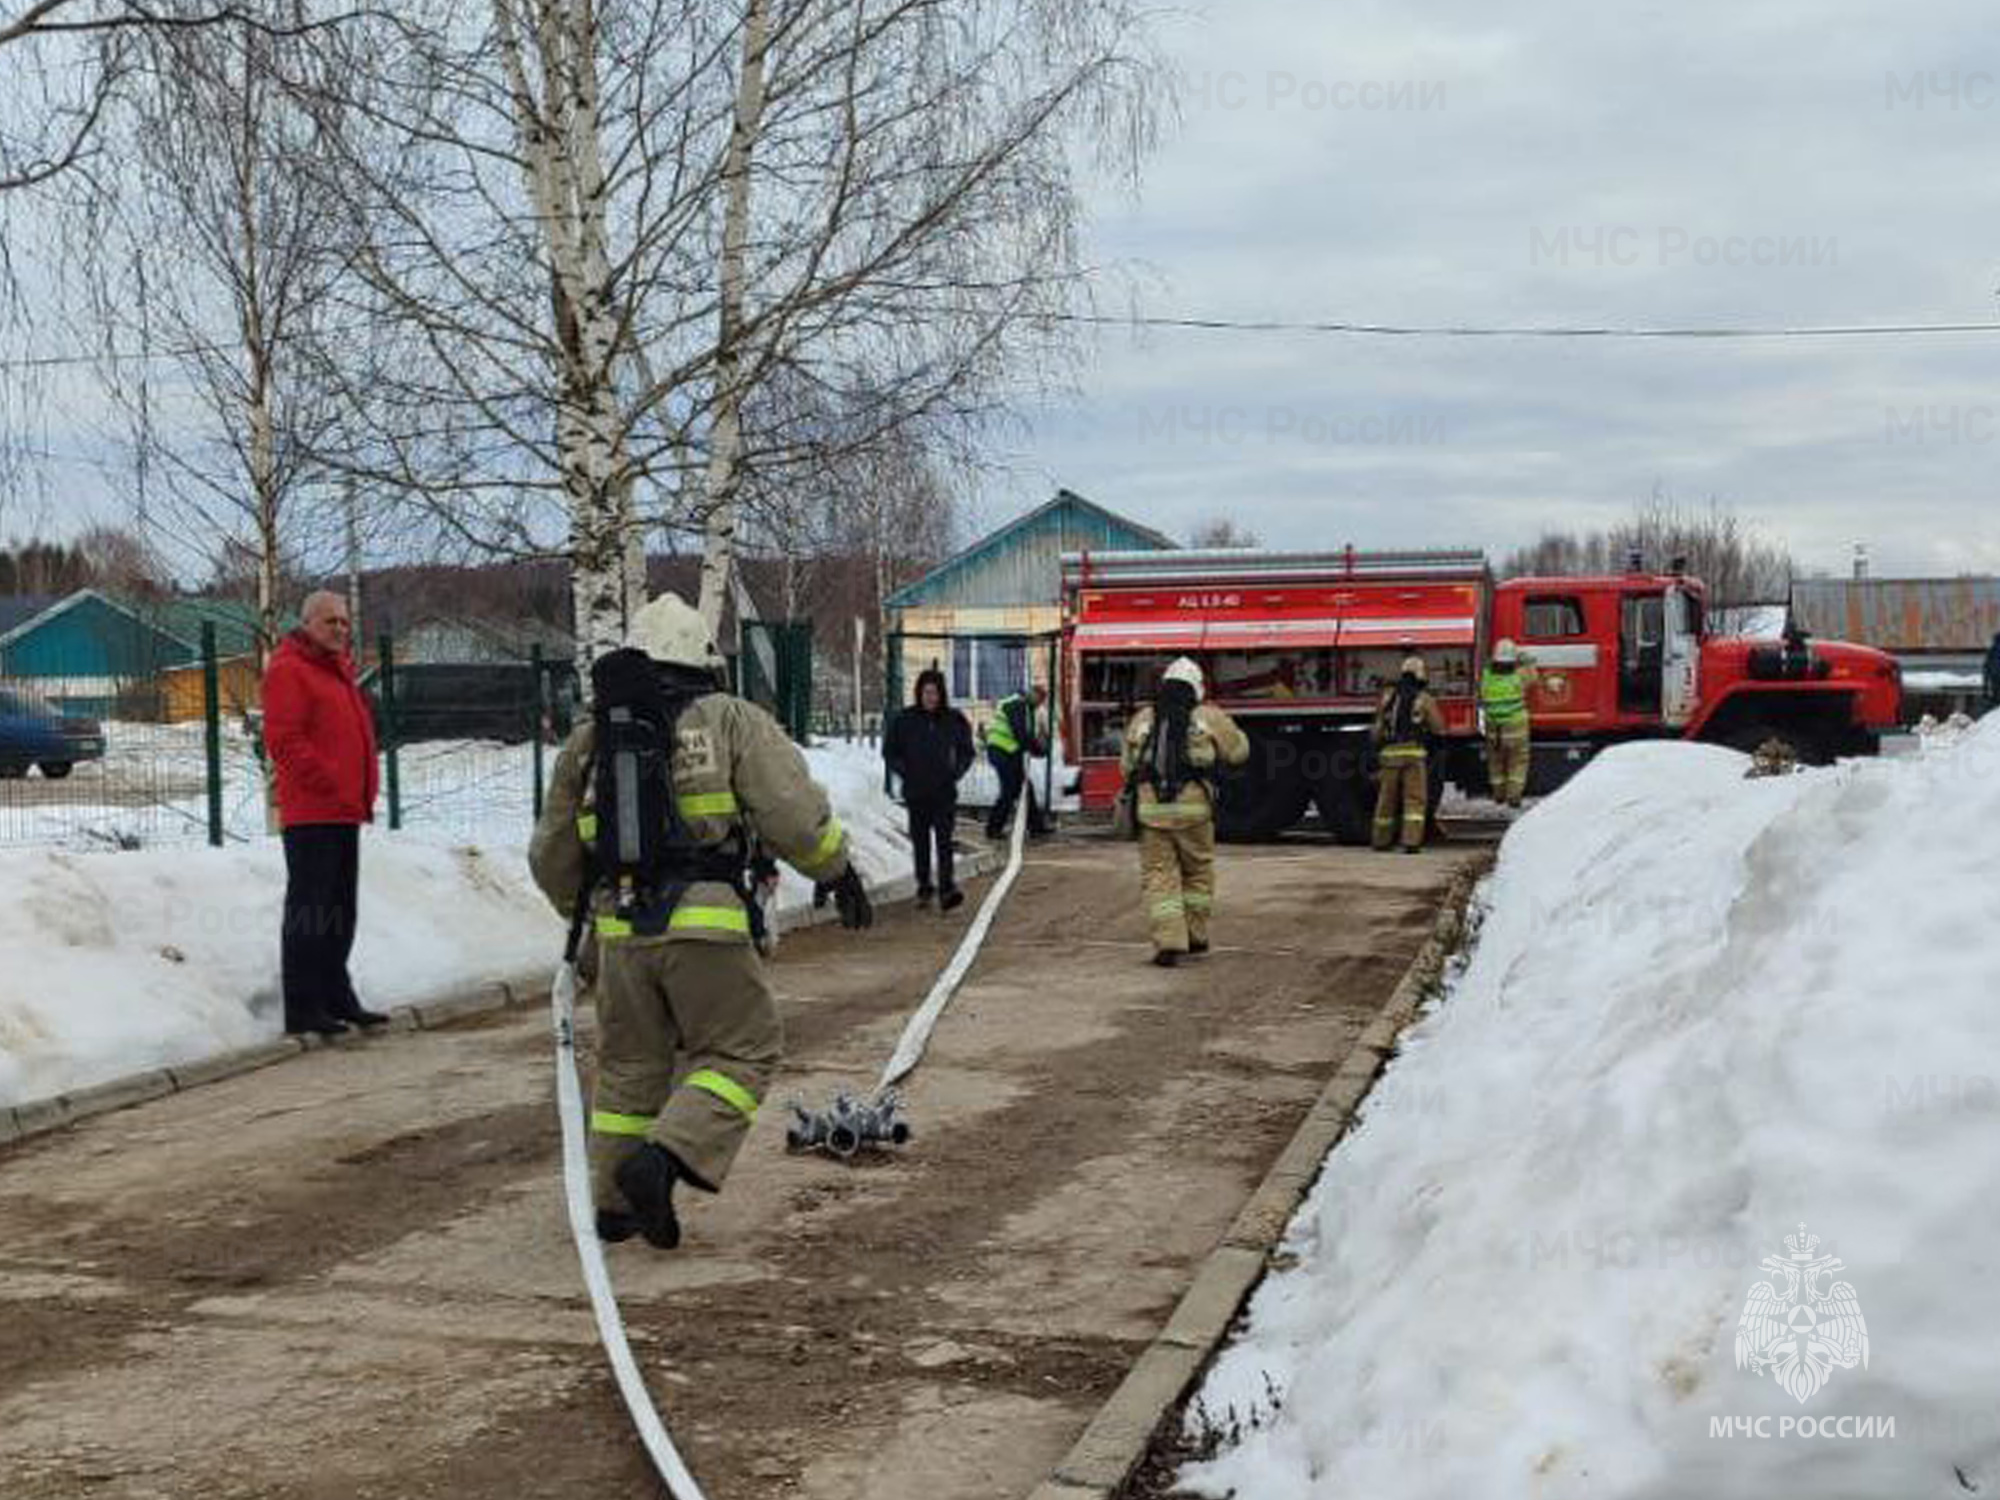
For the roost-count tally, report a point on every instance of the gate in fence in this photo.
(775, 671)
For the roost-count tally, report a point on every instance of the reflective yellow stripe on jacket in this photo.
(832, 839)
(707, 805)
(725, 1088)
(686, 918)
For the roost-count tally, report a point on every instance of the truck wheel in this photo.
(1347, 807)
(1807, 748)
(55, 770)
(1260, 806)
(12, 770)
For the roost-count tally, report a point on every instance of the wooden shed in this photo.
(86, 653)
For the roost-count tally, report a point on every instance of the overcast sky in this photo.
(1558, 162)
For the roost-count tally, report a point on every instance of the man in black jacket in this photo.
(929, 747)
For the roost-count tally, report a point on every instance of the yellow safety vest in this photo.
(1000, 733)
(1504, 697)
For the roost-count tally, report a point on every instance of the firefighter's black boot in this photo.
(646, 1178)
(1166, 958)
(1197, 945)
(615, 1227)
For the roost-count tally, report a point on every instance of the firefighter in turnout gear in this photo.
(1503, 703)
(1405, 722)
(648, 832)
(1172, 749)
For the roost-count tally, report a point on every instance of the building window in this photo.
(1552, 619)
(961, 668)
(986, 670)
(1003, 669)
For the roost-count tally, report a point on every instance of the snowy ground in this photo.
(1702, 1011)
(114, 962)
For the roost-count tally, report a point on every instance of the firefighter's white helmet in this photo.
(1413, 666)
(1185, 670)
(1506, 653)
(672, 632)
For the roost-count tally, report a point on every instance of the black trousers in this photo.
(930, 826)
(1012, 767)
(322, 886)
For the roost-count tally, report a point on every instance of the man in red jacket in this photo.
(319, 735)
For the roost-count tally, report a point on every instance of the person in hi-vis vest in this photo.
(1503, 704)
(1011, 738)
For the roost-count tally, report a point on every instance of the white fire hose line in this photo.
(653, 1433)
(917, 1034)
(583, 1229)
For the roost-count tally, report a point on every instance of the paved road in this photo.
(349, 1275)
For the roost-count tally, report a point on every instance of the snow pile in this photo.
(1702, 1010)
(115, 962)
(1935, 735)
(118, 962)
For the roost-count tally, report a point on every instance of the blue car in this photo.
(34, 732)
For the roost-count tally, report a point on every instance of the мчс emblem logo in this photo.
(1798, 1331)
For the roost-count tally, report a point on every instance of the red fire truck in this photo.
(1297, 646)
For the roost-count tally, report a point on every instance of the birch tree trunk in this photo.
(564, 177)
(725, 454)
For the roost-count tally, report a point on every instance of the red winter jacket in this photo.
(319, 735)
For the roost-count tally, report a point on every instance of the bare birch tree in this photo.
(913, 227)
(521, 193)
(217, 354)
(63, 62)
(608, 226)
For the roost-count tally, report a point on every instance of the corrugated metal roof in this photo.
(1021, 563)
(17, 609)
(1901, 614)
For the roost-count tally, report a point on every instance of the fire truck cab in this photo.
(1298, 647)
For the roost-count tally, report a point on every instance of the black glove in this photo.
(850, 896)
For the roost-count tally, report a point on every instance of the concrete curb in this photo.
(40, 1116)
(1111, 1448)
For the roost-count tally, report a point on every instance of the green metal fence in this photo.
(165, 748)
(160, 744)
(775, 671)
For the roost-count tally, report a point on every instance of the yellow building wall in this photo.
(236, 681)
(928, 631)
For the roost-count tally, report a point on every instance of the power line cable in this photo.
(1525, 330)
(1608, 332)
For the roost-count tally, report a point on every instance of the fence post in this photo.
(211, 720)
(892, 695)
(1055, 731)
(541, 711)
(802, 681)
(387, 658)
